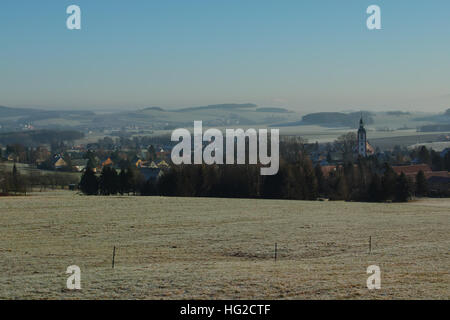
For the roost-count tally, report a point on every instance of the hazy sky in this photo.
(302, 54)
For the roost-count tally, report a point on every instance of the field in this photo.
(186, 248)
(27, 169)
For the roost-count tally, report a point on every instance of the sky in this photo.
(305, 55)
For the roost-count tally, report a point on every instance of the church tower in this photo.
(362, 139)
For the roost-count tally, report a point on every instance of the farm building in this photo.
(413, 170)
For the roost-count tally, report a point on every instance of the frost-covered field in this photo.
(436, 146)
(176, 248)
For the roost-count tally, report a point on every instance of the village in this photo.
(150, 157)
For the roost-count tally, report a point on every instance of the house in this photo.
(80, 164)
(162, 164)
(137, 161)
(12, 157)
(444, 152)
(163, 154)
(58, 162)
(107, 162)
(153, 165)
(412, 171)
(437, 174)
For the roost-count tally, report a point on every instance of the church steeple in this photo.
(362, 138)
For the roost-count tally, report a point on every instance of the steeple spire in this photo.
(362, 138)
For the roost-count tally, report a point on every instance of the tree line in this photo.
(38, 137)
(110, 182)
(14, 182)
(365, 180)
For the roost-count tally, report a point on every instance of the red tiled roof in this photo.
(412, 170)
(444, 174)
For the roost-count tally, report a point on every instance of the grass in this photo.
(186, 248)
(25, 169)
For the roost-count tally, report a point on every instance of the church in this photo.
(364, 148)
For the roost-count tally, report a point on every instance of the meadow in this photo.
(27, 169)
(204, 248)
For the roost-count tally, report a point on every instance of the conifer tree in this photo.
(421, 184)
(375, 190)
(404, 189)
(89, 182)
(388, 183)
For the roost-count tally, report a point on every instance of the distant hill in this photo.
(44, 115)
(216, 115)
(16, 112)
(398, 113)
(154, 109)
(147, 118)
(273, 110)
(230, 106)
(27, 114)
(337, 119)
(332, 119)
(440, 118)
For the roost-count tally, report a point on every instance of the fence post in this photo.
(113, 257)
(276, 247)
